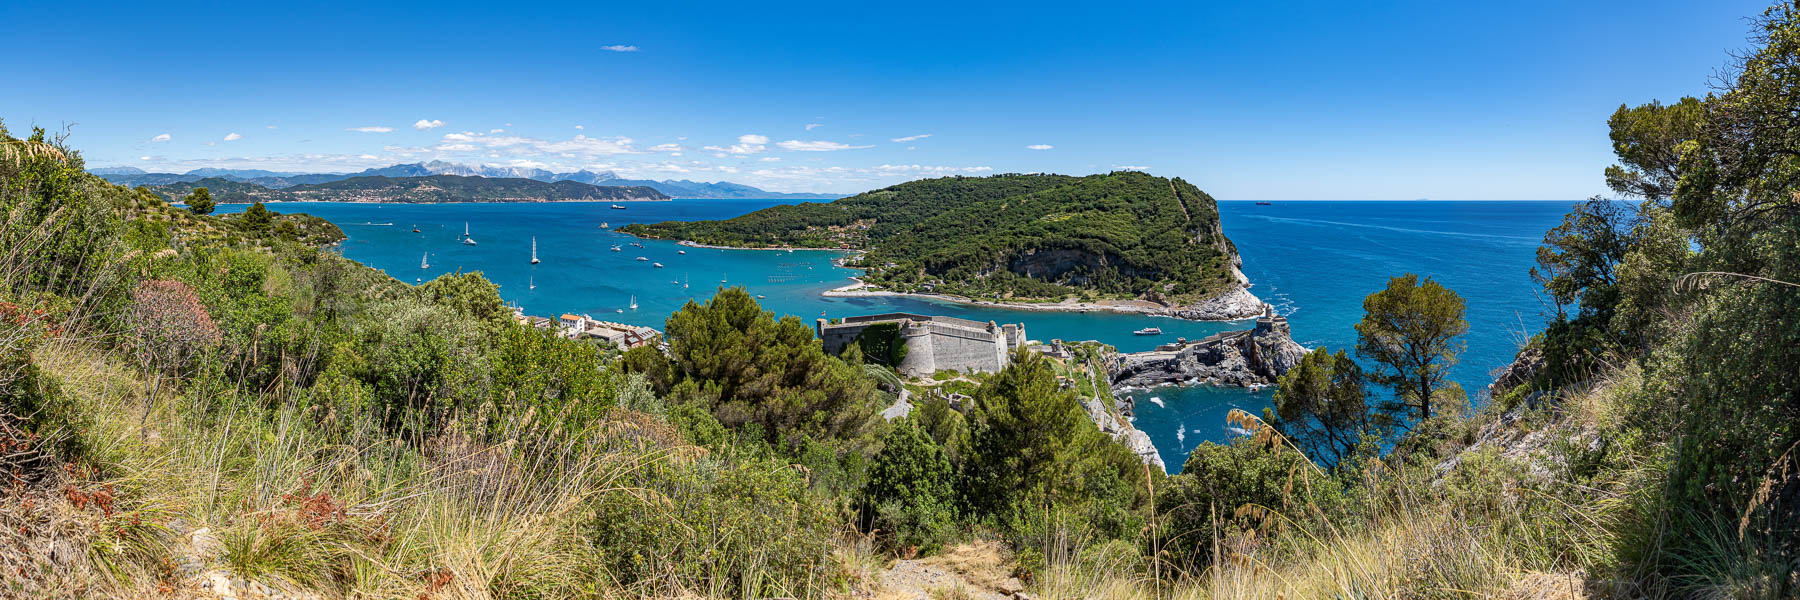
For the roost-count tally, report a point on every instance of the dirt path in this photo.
(975, 571)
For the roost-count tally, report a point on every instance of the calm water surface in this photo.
(1314, 260)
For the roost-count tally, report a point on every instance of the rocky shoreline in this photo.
(1244, 358)
(1235, 305)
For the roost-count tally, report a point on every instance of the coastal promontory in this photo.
(1125, 241)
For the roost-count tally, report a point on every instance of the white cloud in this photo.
(425, 124)
(371, 129)
(580, 127)
(271, 127)
(1130, 168)
(580, 146)
(620, 48)
(770, 159)
(748, 143)
(911, 138)
(212, 143)
(810, 126)
(666, 148)
(927, 170)
(233, 136)
(160, 138)
(817, 146)
(1039, 147)
(143, 158)
(496, 130)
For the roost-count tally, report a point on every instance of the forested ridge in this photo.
(223, 406)
(428, 188)
(1123, 234)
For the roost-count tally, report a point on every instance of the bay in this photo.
(1314, 260)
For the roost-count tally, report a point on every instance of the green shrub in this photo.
(726, 528)
(908, 497)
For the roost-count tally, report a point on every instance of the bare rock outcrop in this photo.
(1256, 356)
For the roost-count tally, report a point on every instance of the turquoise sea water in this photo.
(1314, 260)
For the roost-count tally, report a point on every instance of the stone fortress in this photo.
(934, 343)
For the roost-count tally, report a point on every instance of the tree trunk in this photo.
(1424, 397)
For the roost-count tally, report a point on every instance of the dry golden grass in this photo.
(373, 520)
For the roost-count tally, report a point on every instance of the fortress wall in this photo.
(837, 337)
(921, 354)
(963, 350)
(933, 343)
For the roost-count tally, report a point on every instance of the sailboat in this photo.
(634, 303)
(466, 239)
(534, 259)
(425, 261)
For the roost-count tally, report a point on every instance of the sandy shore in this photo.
(1233, 306)
(691, 244)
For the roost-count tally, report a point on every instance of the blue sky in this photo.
(1288, 100)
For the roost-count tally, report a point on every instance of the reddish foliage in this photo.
(318, 510)
(435, 580)
(102, 498)
(170, 323)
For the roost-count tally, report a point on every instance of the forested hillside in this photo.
(1125, 234)
(430, 188)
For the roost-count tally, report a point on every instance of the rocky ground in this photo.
(976, 571)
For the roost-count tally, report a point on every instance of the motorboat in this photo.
(642, 259)
(617, 207)
(1148, 331)
(657, 265)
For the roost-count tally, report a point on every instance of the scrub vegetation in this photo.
(209, 406)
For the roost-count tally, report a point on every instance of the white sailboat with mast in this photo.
(466, 239)
(534, 259)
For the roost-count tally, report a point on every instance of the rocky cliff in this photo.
(1256, 356)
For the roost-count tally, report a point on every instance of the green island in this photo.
(204, 406)
(1125, 235)
(428, 188)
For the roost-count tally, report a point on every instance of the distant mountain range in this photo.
(276, 180)
(428, 188)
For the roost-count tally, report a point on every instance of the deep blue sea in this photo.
(1314, 260)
